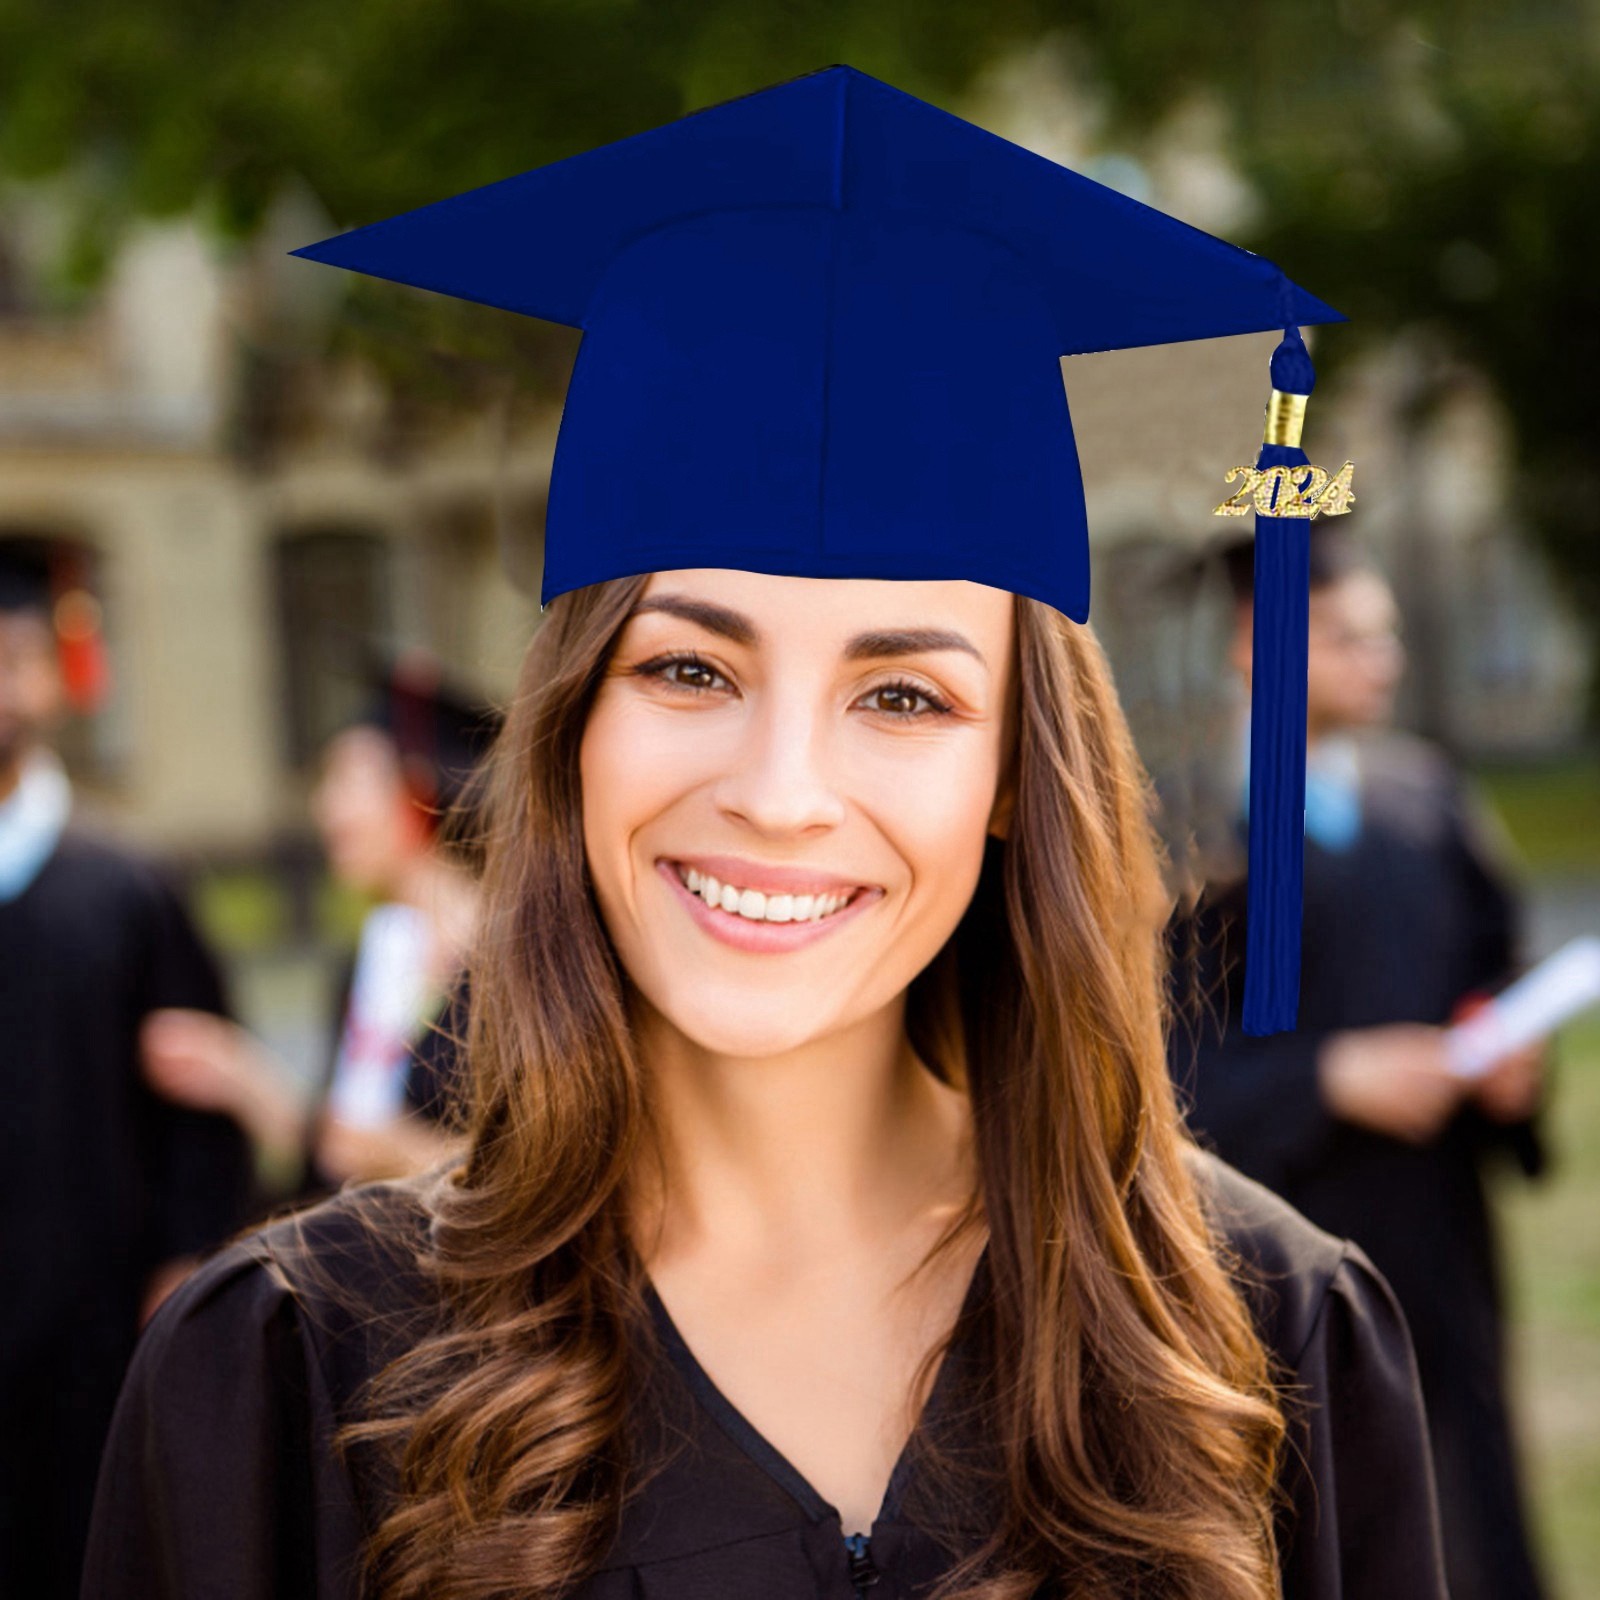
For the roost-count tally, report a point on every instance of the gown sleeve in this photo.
(219, 1481)
(1362, 1516)
(1258, 1101)
(199, 1167)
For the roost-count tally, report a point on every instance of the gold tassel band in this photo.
(1286, 419)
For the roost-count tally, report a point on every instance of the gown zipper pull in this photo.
(858, 1546)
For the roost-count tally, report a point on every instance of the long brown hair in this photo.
(1135, 1430)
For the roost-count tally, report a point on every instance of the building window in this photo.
(335, 607)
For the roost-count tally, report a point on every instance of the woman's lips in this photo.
(767, 878)
(762, 937)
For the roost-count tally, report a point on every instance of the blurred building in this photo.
(235, 588)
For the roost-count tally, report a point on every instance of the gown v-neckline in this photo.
(767, 1455)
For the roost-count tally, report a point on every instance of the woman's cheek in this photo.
(939, 798)
(636, 763)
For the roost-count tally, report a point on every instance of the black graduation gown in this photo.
(100, 1180)
(219, 1479)
(1397, 929)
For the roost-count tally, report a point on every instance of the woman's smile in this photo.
(791, 908)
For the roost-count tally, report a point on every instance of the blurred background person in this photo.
(392, 809)
(108, 1194)
(1355, 1117)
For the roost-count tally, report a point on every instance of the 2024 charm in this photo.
(1289, 492)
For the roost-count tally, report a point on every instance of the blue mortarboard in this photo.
(822, 329)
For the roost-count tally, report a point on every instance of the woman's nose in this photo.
(781, 780)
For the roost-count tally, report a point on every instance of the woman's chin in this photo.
(734, 1026)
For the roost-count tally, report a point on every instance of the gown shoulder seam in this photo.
(1325, 1295)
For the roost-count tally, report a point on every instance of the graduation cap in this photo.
(440, 732)
(821, 336)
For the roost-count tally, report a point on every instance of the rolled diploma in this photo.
(1535, 1005)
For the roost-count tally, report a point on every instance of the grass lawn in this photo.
(245, 911)
(1552, 1228)
(1552, 1250)
(1552, 812)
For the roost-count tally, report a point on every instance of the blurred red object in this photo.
(80, 644)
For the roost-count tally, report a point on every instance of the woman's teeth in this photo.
(758, 907)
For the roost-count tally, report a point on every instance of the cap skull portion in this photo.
(822, 333)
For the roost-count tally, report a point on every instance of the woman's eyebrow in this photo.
(714, 618)
(908, 642)
(873, 645)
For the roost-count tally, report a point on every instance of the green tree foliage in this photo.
(157, 107)
(160, 107)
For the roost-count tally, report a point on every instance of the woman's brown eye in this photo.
(904, 700)
(681, 672)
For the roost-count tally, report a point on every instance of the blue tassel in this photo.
(1278, 733)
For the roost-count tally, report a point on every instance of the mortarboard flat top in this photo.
(822, 329)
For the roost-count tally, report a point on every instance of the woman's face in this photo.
(821, 757)
(371, 828)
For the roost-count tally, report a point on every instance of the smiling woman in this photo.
(794, 1257)
(827, 1224)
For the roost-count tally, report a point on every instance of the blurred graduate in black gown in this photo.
(1354, 1118)
(108, 1194)
(392, 807)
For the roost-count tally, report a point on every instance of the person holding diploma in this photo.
(826, 1227)
(391, 807)
(1357, 1117)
